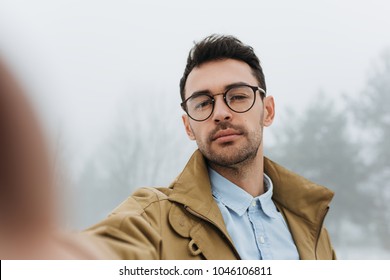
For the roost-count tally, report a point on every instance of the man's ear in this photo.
(186, 122)
(269, 110)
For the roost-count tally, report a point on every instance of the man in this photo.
(229, 202)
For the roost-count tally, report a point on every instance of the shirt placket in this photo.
(256, 217)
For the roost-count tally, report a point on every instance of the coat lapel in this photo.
(303, 205)
(197, 216)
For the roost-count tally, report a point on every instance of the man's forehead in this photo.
(217, 75)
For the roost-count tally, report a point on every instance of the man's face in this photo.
(227, 138)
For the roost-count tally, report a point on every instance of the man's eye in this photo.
(238, 97)
(203, 104)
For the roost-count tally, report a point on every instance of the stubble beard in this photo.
(232, 155)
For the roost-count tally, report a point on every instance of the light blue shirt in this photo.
(256, 227)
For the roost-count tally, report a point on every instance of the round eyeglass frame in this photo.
(254, 88)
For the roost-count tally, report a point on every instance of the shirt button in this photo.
(253, 203)
(261, 239)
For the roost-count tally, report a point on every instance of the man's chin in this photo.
(229, 155)
(226, 158)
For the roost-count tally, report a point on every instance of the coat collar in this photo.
(303, 205)
(297, 198)
(192, 190)
(301, 196)
(196, 193)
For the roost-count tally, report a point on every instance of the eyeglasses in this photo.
(239, 99)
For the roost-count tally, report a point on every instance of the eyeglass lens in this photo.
(238, 99)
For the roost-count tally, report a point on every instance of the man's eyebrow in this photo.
(227, 87)
(200, 92)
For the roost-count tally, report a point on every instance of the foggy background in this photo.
(104, 77)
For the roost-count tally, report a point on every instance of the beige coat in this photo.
(183, 221)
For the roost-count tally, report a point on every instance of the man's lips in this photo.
(226, 135)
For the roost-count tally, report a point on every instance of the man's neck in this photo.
(247, 175)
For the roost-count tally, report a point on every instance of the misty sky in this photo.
(80, 60)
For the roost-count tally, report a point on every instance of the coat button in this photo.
(194, 249)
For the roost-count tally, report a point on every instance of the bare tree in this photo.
(372, 115)
(146, 146)
(317, 145)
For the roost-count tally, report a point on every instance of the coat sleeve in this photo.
(130, 232)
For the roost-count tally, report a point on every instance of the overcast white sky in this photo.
(81, 58)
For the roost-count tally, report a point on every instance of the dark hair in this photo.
(215, 47)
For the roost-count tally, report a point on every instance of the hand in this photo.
(28, 228)
(26, 189)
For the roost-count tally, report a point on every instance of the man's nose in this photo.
(221, 111)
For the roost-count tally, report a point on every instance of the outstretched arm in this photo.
(28, 227)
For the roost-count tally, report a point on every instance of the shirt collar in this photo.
(265, 199)
(238, 200)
